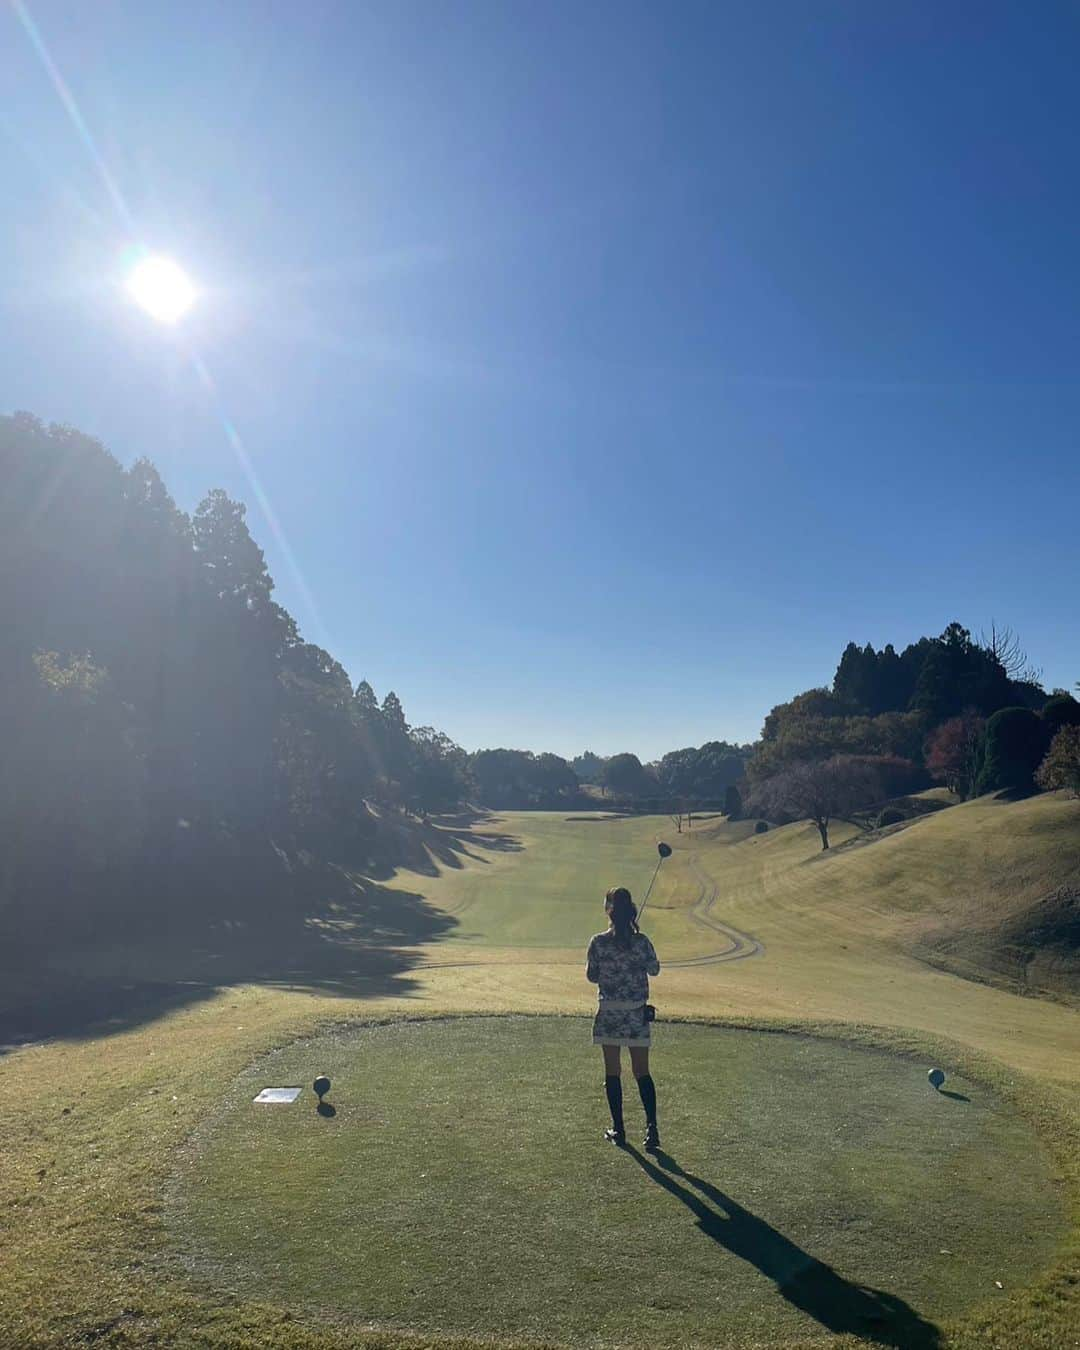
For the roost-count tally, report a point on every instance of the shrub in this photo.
(1060, 710)
(894, 775)
(1061, 767)
(762, 827)
(1015, 742)
(890, 816)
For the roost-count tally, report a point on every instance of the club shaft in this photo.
(644, 902)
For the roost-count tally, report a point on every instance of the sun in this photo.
(161, 287)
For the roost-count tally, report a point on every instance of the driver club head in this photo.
(664, 850)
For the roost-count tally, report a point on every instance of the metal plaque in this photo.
(283, 1094)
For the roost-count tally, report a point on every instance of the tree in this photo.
(1015, 742)
(367, 718)
(440, 771)
(872, 682)
(229, 559)
(625, 775)
(894, 687)
(819, 704)
(554, 778)
(1061, 767)
(241, 635)
(955, 672)
(954, 751)
(699, 774)
(799, 738)
(365, 704)
(393, 715)
(1003, 646)
(1060, 710)
(395, 746)
(820, 791)
(732, 802)
(518, 779)
(85, 780)
(588, 767)
(155, 700)
(1025, 694)
(935, 694)
(855, 681)
(324, 770)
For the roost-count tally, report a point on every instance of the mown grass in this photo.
(91, 1126)
(548, 892)
(463, 1184)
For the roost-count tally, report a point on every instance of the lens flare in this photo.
(162, 288)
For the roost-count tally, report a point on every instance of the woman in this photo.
(620, 961)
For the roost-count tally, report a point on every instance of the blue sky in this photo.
(604, 368)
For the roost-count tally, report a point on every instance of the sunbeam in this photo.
(67, 99)
(244, 460)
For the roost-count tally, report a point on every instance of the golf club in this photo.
(665, 852)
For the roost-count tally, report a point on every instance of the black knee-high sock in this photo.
(613, 1088)
(647, 1088)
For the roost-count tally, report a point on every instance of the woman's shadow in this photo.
(804, 1281)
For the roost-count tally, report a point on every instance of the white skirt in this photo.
(621, 1023)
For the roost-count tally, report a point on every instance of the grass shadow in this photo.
(319, 930)
(426, 846)
(840, 1306)
(233, 910)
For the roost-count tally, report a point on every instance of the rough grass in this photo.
(91, 1126)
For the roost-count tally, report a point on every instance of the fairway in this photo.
(463, 1185)
(540, 892)
(813, 1183)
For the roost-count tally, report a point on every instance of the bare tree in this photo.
(820, 790)
(1004, 646)
(677, 815)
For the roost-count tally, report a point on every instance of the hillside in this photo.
(987, 889)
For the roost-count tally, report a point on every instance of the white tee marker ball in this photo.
(161, 287)
(936, 1077)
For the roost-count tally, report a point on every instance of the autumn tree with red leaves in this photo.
(953, 751)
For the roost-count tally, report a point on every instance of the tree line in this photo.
(968, 713)
(154, 697)
(156, 700)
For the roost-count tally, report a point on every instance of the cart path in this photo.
(739, 944)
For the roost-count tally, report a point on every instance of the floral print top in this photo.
(621, 972)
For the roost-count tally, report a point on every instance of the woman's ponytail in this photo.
(623, 915)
